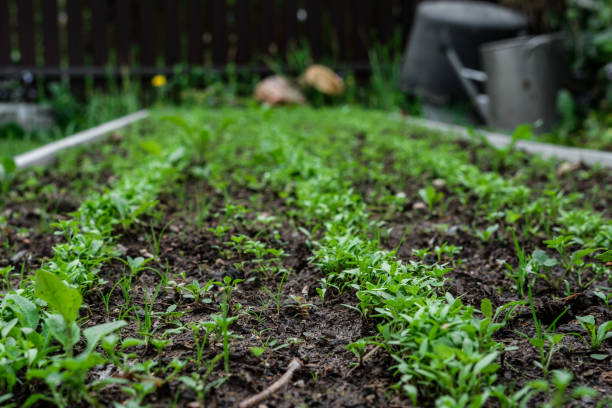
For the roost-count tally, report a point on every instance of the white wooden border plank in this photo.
(45, 154)
(571, 154)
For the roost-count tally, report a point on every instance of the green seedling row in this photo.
(44, 310)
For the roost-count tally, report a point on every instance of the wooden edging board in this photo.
(45, 154)
(570, 154)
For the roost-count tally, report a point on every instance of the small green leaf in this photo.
(599, 356)
(28, 313)
(58, 327)
(484, 362)
(59, 296)
(562, 378)
(542, 258)
(131, 342)
(95, 333)
(486, 308)
(605, 330)
(605, 257)
(152, 147)
(587, 320)
(8, 164)
(257, 351)
(582, 391)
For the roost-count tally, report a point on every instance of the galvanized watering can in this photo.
(522, 76)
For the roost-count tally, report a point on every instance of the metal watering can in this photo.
(521, 75)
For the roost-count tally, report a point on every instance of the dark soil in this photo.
(301, 325)
(39, 197)
(482, 274)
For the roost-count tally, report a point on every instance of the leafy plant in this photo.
(66, 301)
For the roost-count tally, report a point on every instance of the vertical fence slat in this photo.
(195, 31)
(76, 56)
(5, 39)
(385, 21)
(148, 41)
(243, 54)
(219, 32)
(291, 25)
(338, 13)
(172, 37)
(267, 25)
(408, 11)
(25, 19)
(51, 51)
(75, 32)
(124, 32)
(314, 28)
(98, 32)
(361, 31)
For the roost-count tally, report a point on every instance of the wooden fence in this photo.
(100, 37)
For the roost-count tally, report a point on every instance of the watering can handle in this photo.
(466, 75)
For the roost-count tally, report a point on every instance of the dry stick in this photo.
(294, 365)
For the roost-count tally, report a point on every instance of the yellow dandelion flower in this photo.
(158, 81)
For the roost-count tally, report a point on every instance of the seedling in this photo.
(195, 291)
(358, 348)
(9, 169)
(155, 238)
(430, 196)
(421, 253)
(200, 333)
(597, 335)
(560, 394)
(159, 345)
(219, 231)
(5, 273)
(545, 341)
(446, 249)
(146, 323)
(485, 236)
(266, 345)
(523, 270)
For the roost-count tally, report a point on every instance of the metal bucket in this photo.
(522, 77)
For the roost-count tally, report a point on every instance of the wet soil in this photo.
(284, 311)
(297, 324)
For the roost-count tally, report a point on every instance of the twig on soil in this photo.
(294, 365)
(363, 360)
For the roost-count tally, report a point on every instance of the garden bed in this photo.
(229, 242)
